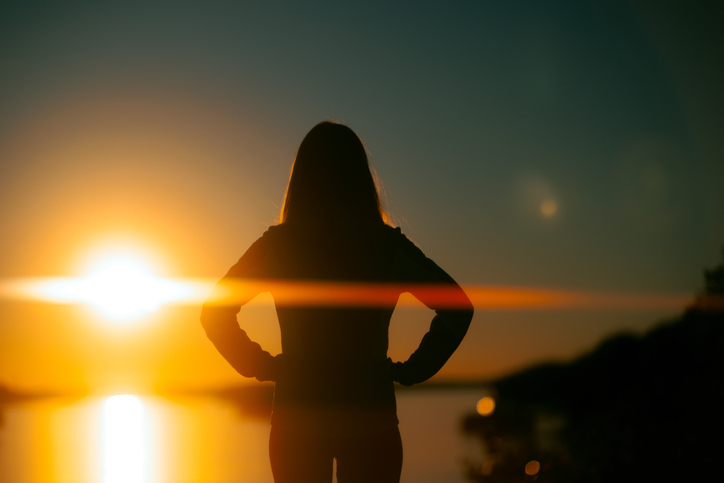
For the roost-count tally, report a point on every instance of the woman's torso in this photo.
(335, 377)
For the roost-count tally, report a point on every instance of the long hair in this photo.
(331, 179)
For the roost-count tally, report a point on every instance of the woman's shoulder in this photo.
(273, 230)
(392, 230)
(297, 234)
(395, 234)
(270, 237)
(280, 231)
(386, 234)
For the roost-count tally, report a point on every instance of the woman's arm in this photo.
(453, 313)
(218, 317)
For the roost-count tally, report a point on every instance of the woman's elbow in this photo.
(464, 313)
(469, 310)
(464, 316)
(464, 306)
(212, 319)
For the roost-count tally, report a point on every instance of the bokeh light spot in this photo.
(548, 208)
(486, 406)
(532, 468)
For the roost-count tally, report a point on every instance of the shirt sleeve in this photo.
(243, 282)
(453, 313)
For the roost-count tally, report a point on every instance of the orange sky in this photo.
(98, 208)
(71, 346)
(137, 186)
(170, 133)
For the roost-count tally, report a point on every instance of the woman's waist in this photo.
(333, 363)
(333, 421)
(330, 382)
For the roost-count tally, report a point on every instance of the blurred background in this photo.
(565, 146)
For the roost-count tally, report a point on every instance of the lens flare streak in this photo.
(442, 296)
(132, 295)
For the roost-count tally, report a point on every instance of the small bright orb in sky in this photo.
(548, 208)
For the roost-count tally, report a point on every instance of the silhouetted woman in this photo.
(334, 395)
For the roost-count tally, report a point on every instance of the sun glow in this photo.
(121, 288)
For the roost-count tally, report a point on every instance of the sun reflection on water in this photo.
(195, 439)
(124, 449)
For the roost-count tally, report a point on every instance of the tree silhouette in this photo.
(637, 408)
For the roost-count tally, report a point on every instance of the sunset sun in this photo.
(120, 288)
(123, 289)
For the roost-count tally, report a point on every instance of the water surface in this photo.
(149, 439)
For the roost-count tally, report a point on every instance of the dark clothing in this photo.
(333, 378)
(375, 457)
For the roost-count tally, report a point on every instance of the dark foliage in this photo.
(637, 408)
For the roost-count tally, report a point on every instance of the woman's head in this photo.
(331, 178)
